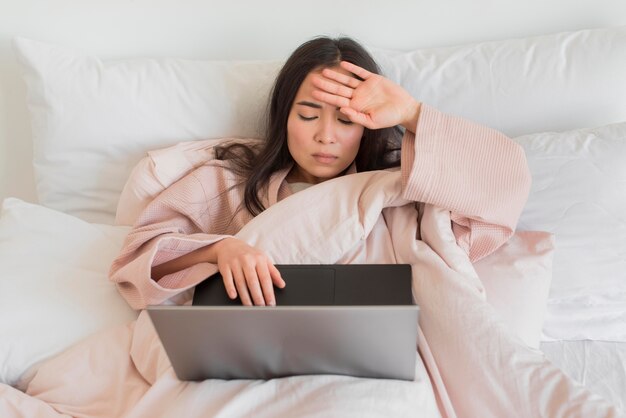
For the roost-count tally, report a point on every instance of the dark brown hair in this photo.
(379, 149)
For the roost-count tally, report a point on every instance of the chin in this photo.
(326, 173)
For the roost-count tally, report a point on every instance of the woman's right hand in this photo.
(375, 102)
(247, 272)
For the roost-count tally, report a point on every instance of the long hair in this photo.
(379, 148)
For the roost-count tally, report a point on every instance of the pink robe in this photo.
(477, 173)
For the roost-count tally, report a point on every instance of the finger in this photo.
(358, 117)
(331, 99)
(229, 284)
(355, 69)
(252, 280)
(242, 288)
(266, 284)
(276, 276)
(341, 78)
(331, 87)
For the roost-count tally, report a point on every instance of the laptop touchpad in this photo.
(304, 286)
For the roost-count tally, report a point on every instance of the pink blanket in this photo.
(470, 363)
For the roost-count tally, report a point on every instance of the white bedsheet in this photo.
(598, 365)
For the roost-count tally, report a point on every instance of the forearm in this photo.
(207, 254)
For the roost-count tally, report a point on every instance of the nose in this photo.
(325, 134)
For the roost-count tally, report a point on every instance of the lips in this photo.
(324, 158)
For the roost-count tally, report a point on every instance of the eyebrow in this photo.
(311, 104)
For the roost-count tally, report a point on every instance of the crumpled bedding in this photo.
(470, 365)
(599, 365)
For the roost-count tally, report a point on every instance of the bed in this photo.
(109, 135)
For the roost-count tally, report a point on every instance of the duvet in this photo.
(469, 365)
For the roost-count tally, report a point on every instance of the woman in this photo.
(330, 114)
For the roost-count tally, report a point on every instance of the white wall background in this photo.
(240, 29)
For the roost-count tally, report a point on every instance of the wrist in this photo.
(412, 115)
(210, 252)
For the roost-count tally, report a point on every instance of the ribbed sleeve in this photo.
(476, 172)
(198, 210)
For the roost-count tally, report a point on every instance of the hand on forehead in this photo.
(372, 101)
(336, 85)
(340, 79)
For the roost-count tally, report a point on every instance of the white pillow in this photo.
(92, 120)
(54, 288)
(579, 194)
(553, 82)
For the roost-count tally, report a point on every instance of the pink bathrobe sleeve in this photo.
(476, 172)
(196, 211)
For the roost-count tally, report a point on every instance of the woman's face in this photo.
(322, 140)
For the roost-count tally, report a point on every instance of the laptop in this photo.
(354, 319)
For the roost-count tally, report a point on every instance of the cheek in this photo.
(295, 130)
(353, 139)
(292, 134)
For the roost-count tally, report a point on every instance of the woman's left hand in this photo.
(376, 102)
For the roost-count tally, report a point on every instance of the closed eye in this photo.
(344, 121)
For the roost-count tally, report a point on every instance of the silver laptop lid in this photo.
(223, 342)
